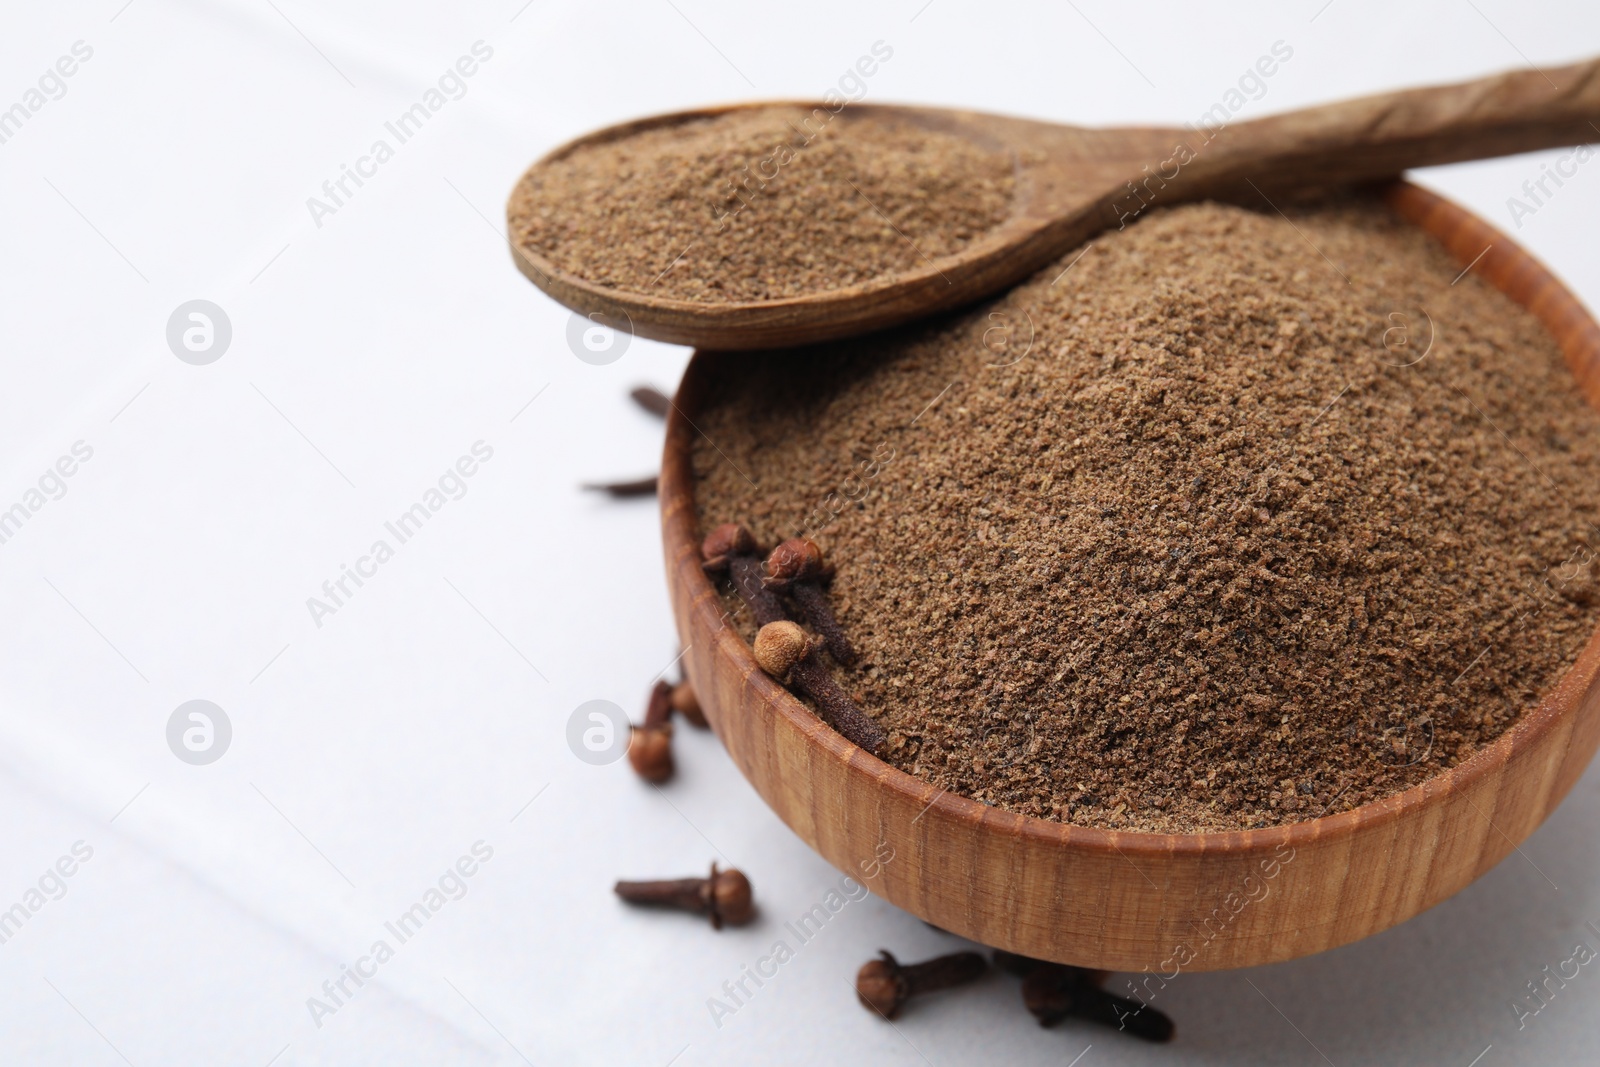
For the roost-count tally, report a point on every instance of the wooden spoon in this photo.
(1072, 183)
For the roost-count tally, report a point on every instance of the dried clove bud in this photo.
(797, 566)
(884, 985)
(725, 897)
(798, 559)
(779, 648)
(784, 651)
(732, 548)
(724, 542)
(650, 743)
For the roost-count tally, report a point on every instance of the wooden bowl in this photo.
(1141, 901)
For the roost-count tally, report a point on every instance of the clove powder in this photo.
(1238, 519)
(761, 204)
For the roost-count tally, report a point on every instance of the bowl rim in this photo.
(1512, 266)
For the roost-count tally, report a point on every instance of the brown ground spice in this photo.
(1204, 556)
(761, 204)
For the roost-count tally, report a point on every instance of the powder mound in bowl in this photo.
(761, 204)
(1266, 521)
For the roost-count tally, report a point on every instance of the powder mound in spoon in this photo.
(1239, 521)
(760, 204)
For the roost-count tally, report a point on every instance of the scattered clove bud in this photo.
(652, 400)
(685, 703)
(623, 490)
(885, 984)
(732, 548)
(650, 743)
(724, 897)
(1053, 992)
(786, 653)
(796, 566)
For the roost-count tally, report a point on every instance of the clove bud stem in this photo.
(812, 677)
(814, 606)
(749, 582)
(652, 400)
(621, 490)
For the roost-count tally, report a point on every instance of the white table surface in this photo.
(373, 346)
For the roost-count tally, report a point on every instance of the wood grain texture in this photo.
(1072, 183)
(1133, 901)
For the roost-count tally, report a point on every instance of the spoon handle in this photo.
(1379, 136)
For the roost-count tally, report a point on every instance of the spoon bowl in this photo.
(1040, 226)
(1118, 900)
(1073, 182)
